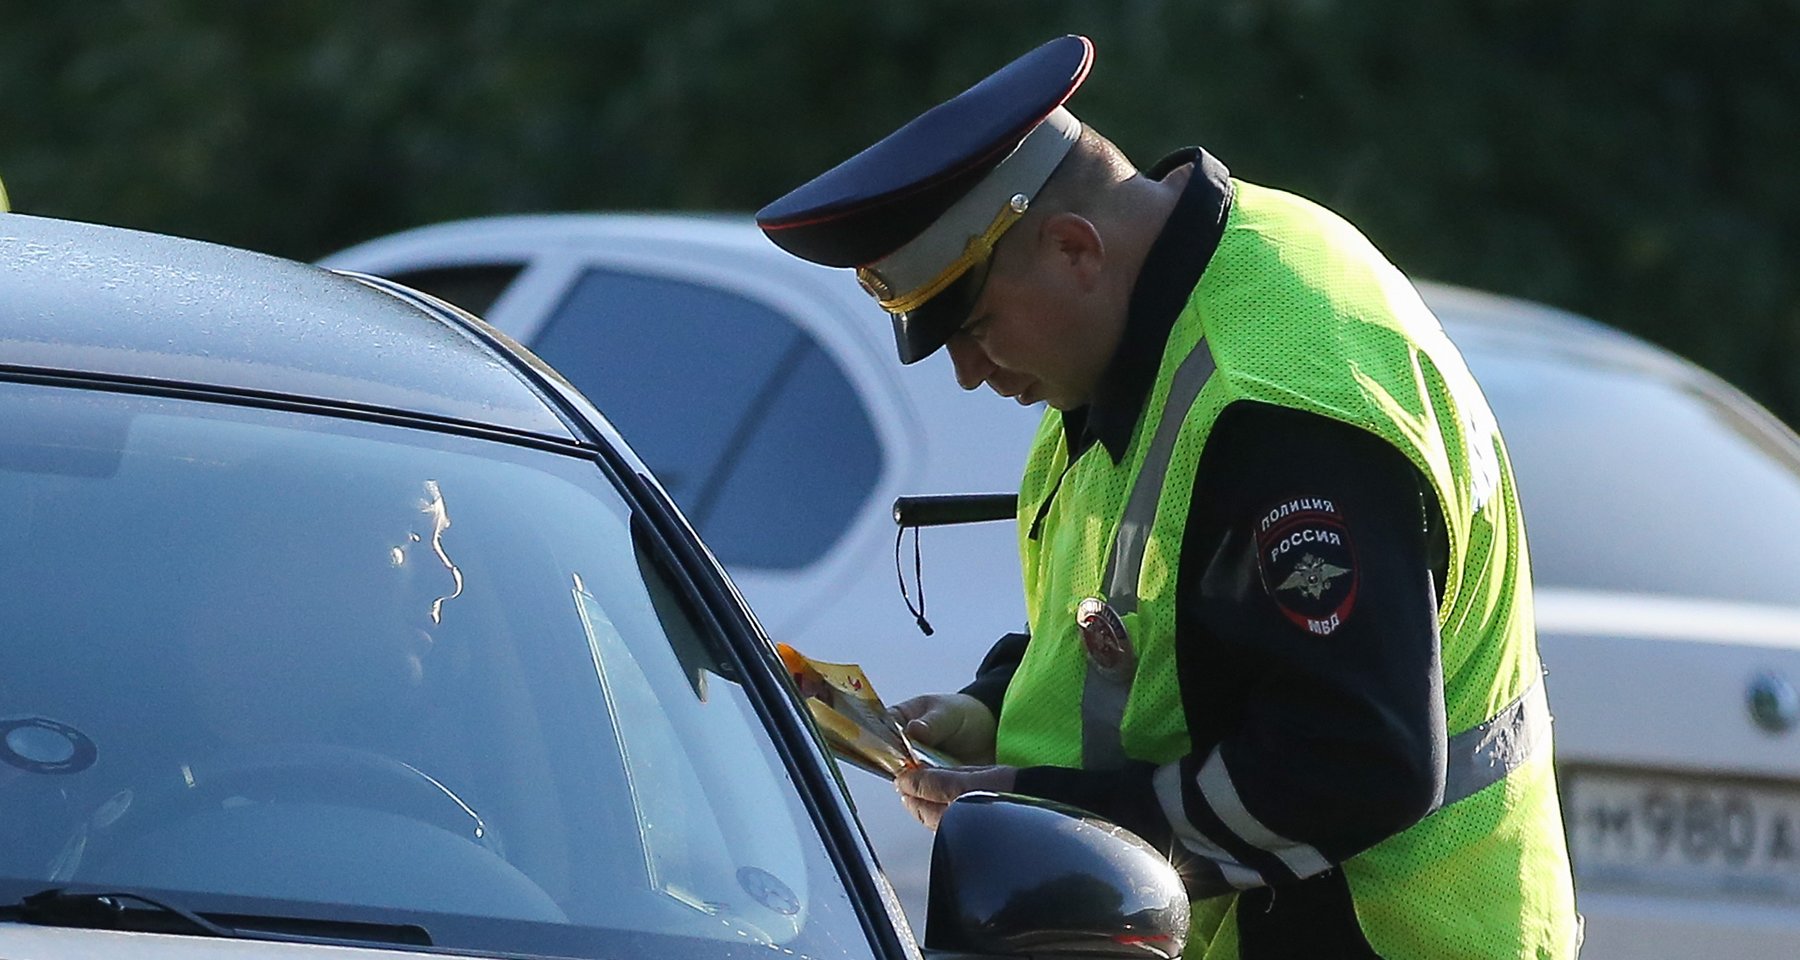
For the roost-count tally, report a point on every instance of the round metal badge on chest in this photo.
(1103, 635)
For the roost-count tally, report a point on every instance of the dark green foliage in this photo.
(1629, 159)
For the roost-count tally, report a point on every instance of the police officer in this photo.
(1279, 603)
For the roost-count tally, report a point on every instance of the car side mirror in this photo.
(1017, 876)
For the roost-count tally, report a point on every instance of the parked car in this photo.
(1657, 498)
(331, 617)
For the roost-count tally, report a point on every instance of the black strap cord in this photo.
(1043, 510)
(918, 578)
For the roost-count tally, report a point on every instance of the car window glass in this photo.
(473, 287)
(748, 422)
(809, 462)
(1632, 481)
(673, 365)
(275, 663)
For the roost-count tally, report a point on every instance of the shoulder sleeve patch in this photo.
(1307, 562)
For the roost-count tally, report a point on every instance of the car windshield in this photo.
(1644, 478)
(275, 663)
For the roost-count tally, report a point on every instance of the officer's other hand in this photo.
(925, 792)
(954, 723)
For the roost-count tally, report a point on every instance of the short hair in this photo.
(1081, 183)
(1093, 166)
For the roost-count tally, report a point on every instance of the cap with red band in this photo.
(919, 210)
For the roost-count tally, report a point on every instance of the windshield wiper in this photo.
(57, 907)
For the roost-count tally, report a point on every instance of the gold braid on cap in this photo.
(979, 248)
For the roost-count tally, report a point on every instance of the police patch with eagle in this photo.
(1307, 563)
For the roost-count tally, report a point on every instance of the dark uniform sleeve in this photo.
(997, 669)
(1307, 646)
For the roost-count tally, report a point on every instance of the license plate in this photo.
(1683, 834)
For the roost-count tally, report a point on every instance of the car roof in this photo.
(727, 230)
(1485, 326)
(114, 304)
(1479, 320)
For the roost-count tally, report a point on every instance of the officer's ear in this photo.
(1075, 243)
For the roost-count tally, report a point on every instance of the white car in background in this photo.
(1661, 505)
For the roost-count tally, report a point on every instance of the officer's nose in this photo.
(972, 364)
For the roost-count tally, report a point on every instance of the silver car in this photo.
(1658, 500)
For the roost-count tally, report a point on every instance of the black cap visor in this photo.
(919, 332)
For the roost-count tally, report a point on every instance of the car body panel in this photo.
(1625, 926)
(106, 301)
(1690, 666)
(49, 943)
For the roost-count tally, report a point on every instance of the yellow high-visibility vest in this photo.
(1297, 309)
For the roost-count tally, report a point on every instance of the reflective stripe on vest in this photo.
(1484, 754)
(1104, 694)
(1479, 757)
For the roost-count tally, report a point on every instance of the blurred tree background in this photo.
(1634, 160)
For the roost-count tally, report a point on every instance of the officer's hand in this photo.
(954, 723)
(926, 792)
